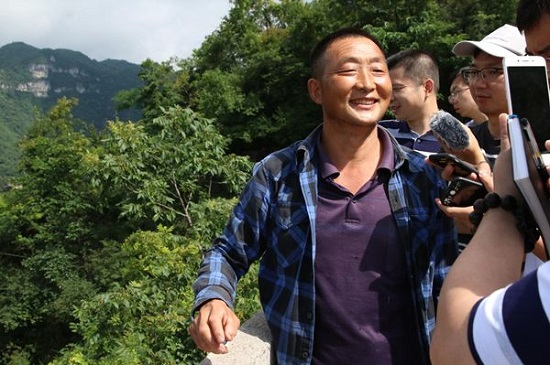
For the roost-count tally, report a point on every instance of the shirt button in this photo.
(309, 315)
(305, 355)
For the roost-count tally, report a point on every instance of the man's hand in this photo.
(213, 326)
(473, 153)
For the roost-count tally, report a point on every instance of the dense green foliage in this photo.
(102, 231)
(83, 241)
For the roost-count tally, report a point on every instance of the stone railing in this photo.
(251, 346)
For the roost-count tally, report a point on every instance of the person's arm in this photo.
(214, 321)
(492, 260)
(474, 155)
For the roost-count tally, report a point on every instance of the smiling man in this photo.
(415, 82)
(352, 249)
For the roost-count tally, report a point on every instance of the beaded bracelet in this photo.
(524, 218)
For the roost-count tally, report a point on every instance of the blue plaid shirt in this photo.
(274, 221)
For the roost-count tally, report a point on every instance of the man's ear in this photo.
(429, 86)
(314, 90)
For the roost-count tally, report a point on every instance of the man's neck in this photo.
(355, 144)
(422, 124)
(356, 155)
(479, 118)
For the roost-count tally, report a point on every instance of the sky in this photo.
(130, 30)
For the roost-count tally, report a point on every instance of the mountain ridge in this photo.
(36, 78)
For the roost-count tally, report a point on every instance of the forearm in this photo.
(491, 261)
(216, 280)
(494, 256)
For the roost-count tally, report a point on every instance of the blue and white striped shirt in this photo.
(512, 326)
(405, 136)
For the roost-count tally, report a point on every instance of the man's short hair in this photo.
(455, 74)
(317, 56)
(529, 13)
(418, 65)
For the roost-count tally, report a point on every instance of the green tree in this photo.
(82, 226)
(163, 87)
(180, 176)
(251, 76)
(45, 236)
(142, 317)
(162, 175)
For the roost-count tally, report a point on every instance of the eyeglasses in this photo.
(488, 74)
(456, 93)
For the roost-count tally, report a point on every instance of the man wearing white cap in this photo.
(485, 77)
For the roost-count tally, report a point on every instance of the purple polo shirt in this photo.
(364, 311)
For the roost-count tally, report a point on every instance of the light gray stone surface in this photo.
(251, 346)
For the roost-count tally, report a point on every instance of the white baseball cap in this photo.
(505, 41)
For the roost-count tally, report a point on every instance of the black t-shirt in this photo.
(486, 141)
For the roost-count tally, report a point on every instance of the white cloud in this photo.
(132, 30)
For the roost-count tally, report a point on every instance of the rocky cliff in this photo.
(49, 74)
(32, 78)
